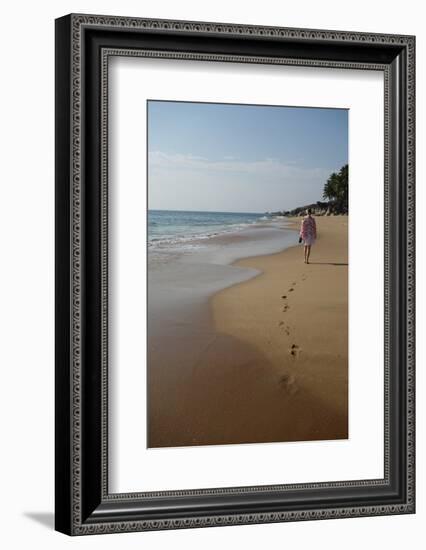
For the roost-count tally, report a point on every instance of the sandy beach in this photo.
(265, 359)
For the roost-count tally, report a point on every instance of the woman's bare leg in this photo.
(308, 253)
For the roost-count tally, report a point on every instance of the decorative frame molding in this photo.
(84, 43)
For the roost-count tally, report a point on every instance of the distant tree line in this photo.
(336, 189)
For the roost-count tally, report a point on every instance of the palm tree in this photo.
(331, 187)
(336, 189)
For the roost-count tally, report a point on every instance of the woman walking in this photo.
(308, 233)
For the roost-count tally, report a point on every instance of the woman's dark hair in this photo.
(309, 210)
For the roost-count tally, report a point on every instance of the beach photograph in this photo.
(247, 262)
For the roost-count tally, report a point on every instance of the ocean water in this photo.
(213, 237)
(191, 256)
(170, 227)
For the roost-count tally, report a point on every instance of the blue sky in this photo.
(241, 158)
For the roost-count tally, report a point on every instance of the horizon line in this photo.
(207, 211)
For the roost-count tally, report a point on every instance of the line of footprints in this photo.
(294, 350)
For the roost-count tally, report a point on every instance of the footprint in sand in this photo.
(284, 297)
(285, 308)
(288, 383)
(285, 328)
(295, 351)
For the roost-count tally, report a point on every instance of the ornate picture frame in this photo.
(84, 44)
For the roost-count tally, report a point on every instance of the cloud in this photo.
(266, 167)
(188, 182)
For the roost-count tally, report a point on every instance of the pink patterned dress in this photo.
(308, 230)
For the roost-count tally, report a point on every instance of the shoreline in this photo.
(259, 367)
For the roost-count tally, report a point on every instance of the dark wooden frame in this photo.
(83, 46)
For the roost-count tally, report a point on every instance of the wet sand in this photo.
(264, 360)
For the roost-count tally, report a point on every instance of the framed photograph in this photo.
(234, 274)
